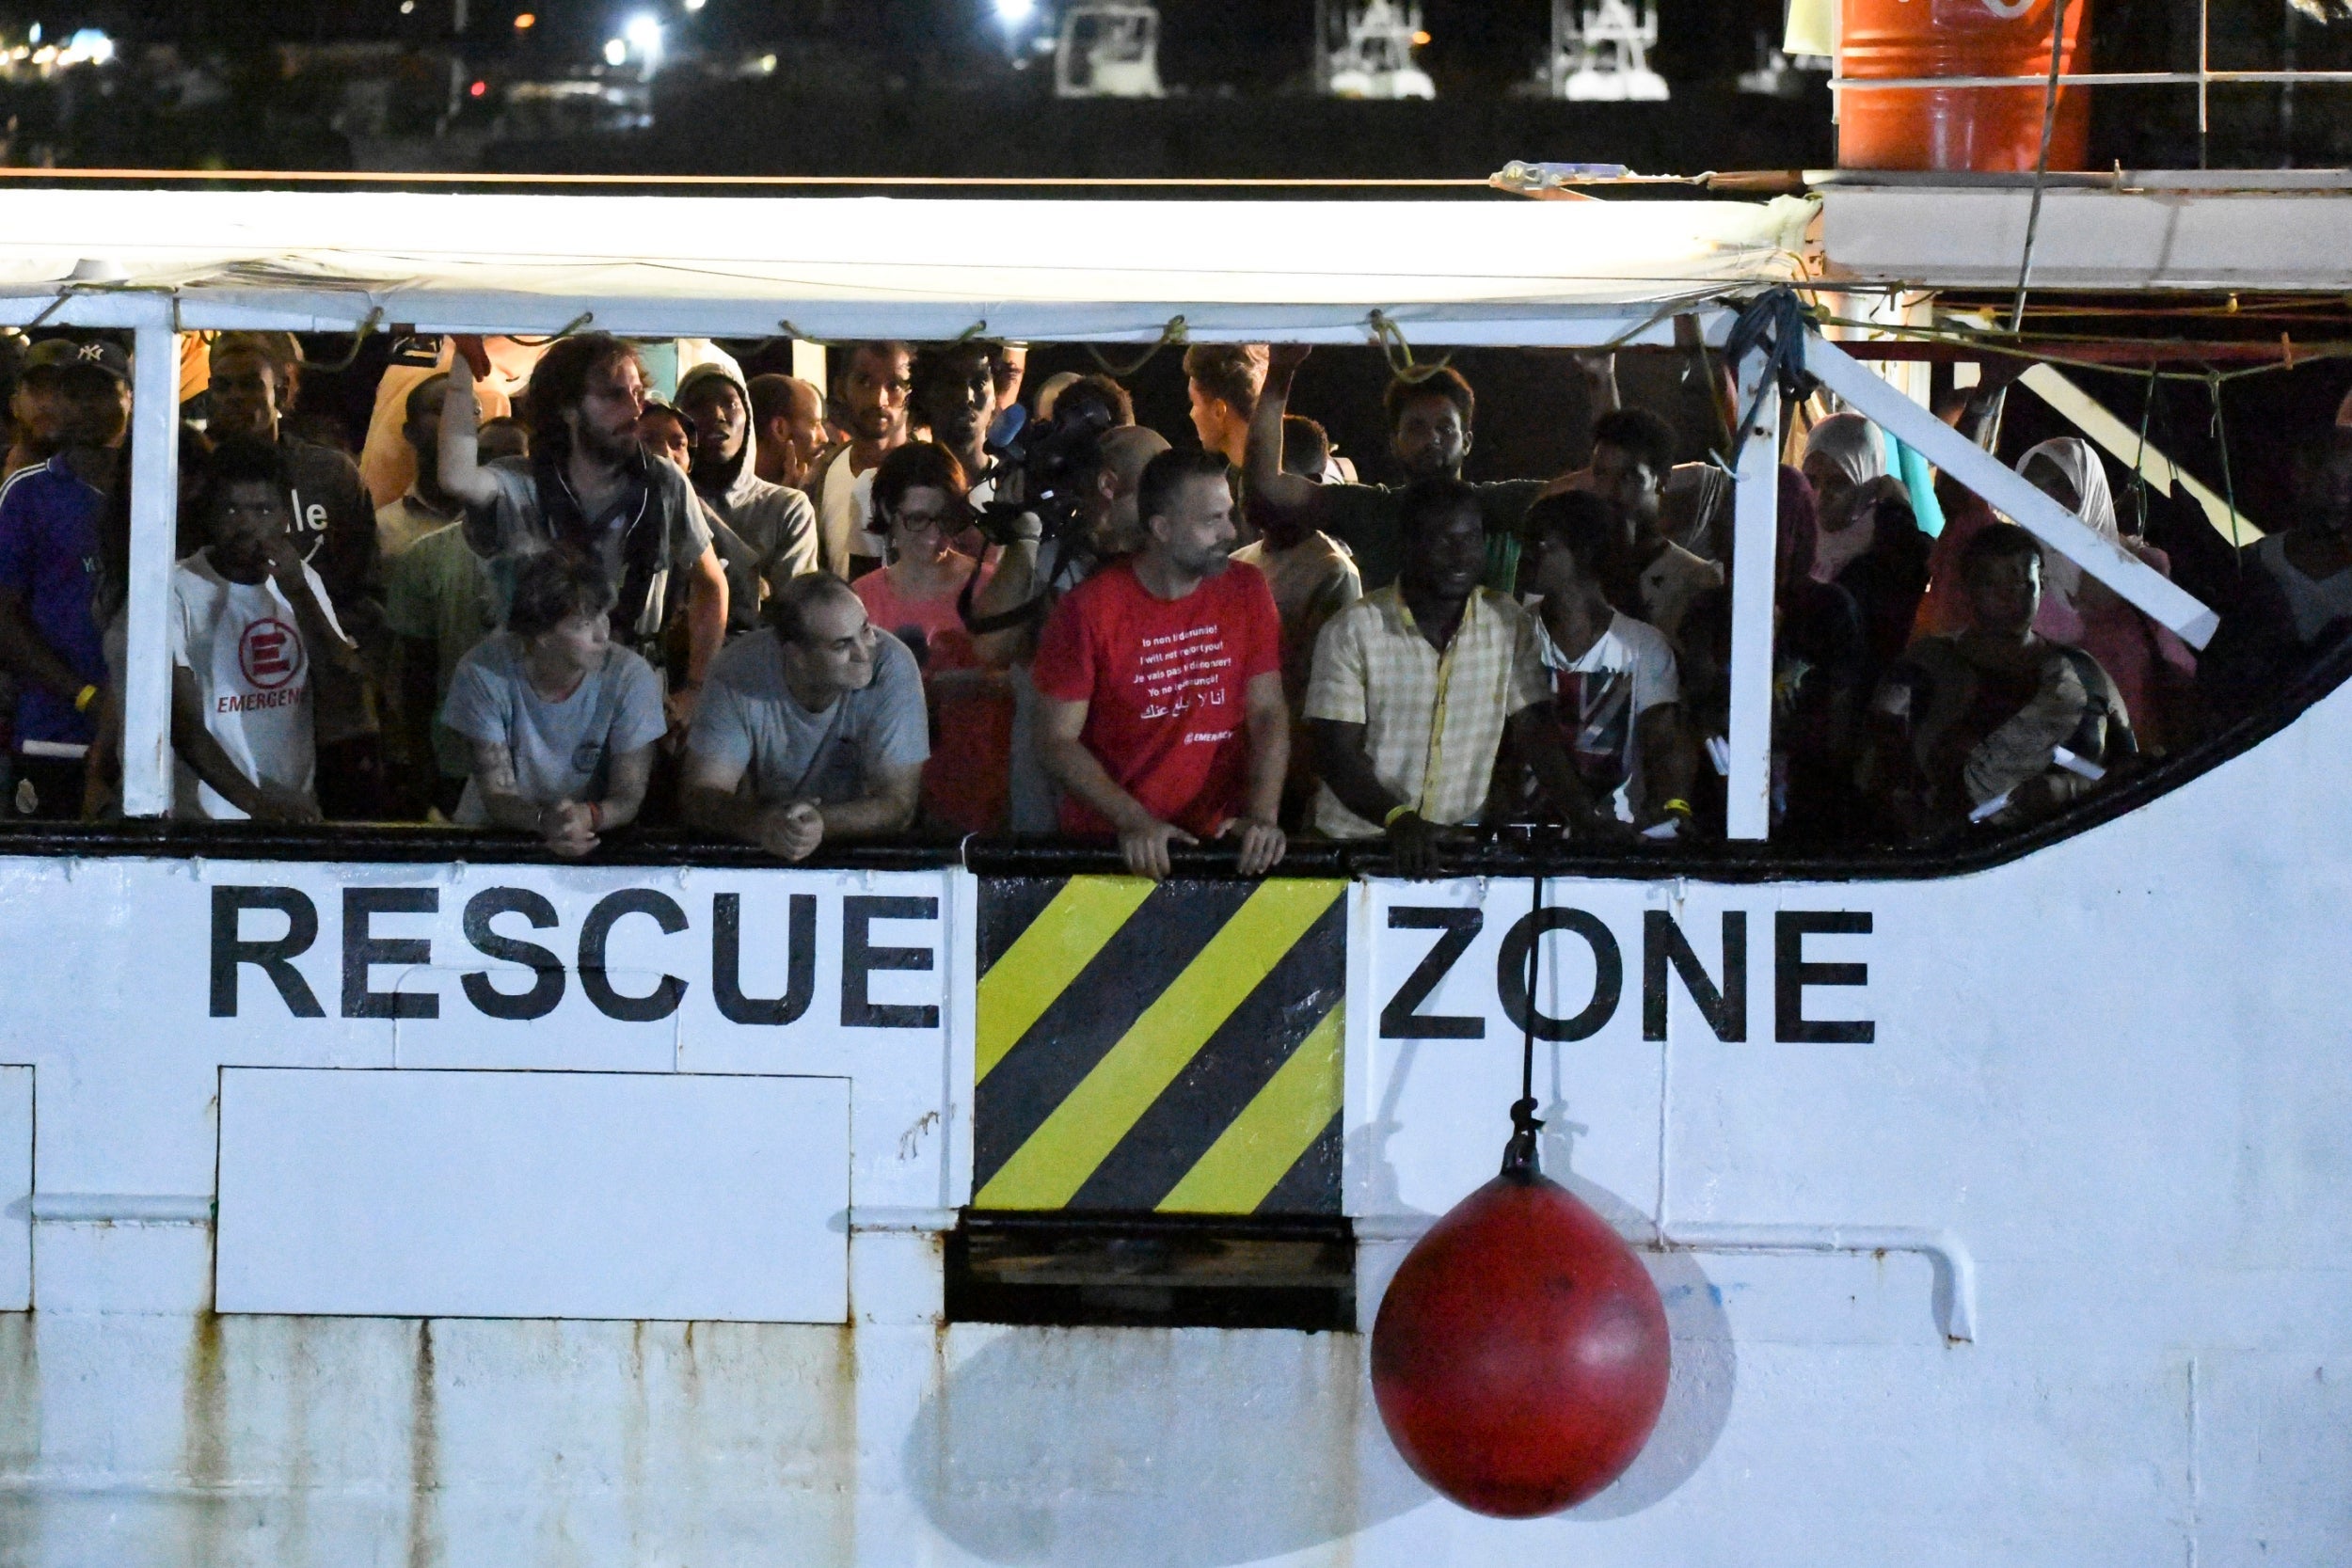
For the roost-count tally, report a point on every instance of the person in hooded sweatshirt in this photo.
(764, 532)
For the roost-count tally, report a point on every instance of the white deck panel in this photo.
(534, 1195)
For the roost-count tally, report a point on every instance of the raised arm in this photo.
(462, 474)
(321, 637)
(1262, 459)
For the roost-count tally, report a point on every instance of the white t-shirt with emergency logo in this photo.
(243, 645)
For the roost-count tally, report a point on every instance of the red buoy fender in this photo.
(1520, 1355)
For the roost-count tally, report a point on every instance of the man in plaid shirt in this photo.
(1415, 685)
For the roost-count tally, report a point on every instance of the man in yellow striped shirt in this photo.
(1415, 686)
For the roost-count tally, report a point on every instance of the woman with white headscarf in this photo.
(2151, 667)
(1866, 542)
(1842, 458)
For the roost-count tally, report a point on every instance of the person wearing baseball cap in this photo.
(50, 553)
(57, 381)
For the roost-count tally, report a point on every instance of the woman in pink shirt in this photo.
(919, 505)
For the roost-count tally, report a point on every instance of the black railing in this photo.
(1507, 851)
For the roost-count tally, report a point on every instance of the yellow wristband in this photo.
(83, 699)
(1676, 808)
(1395, 812)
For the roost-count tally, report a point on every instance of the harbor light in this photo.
(644, 33)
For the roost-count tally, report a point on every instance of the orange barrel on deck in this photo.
(1989, 129)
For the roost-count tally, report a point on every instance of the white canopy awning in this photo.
(1469, 272)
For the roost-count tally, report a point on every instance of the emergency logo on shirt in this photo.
(269, 653)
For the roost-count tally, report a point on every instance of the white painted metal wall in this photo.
(2098, 1130)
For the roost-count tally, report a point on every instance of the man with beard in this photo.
(1161, 680)
(588, 487)
(787, 427)
(1429, 435)
(46, 404)
(873, 393)
(765, 534)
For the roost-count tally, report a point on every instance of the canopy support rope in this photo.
(2139, 458)
(358, 339)
(1390, 338)
(1775, 322)
(2222, 439)
(558, 334)
(2041, 163)
(1175, 332)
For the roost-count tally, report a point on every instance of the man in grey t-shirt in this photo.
(813, 729)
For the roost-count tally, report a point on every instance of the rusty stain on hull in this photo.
(204, 1439)
(424, 1455)
(20, 1440)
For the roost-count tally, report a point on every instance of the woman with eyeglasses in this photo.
(919, 506)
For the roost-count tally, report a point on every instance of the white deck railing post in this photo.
(155, 526)
(1756, 526)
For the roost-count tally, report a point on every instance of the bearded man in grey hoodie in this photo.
(765, 532)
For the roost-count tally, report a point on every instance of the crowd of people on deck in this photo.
(540, 599)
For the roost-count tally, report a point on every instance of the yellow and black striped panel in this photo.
(1171, 1047)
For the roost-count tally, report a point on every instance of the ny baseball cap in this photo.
(63, 353)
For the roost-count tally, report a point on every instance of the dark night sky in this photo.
(1251, 44)
(1479, 46)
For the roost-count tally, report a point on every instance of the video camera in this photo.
(1043, 469)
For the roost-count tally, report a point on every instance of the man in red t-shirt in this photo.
(1163, 717)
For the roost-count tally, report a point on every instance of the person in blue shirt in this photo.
(49, 556)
